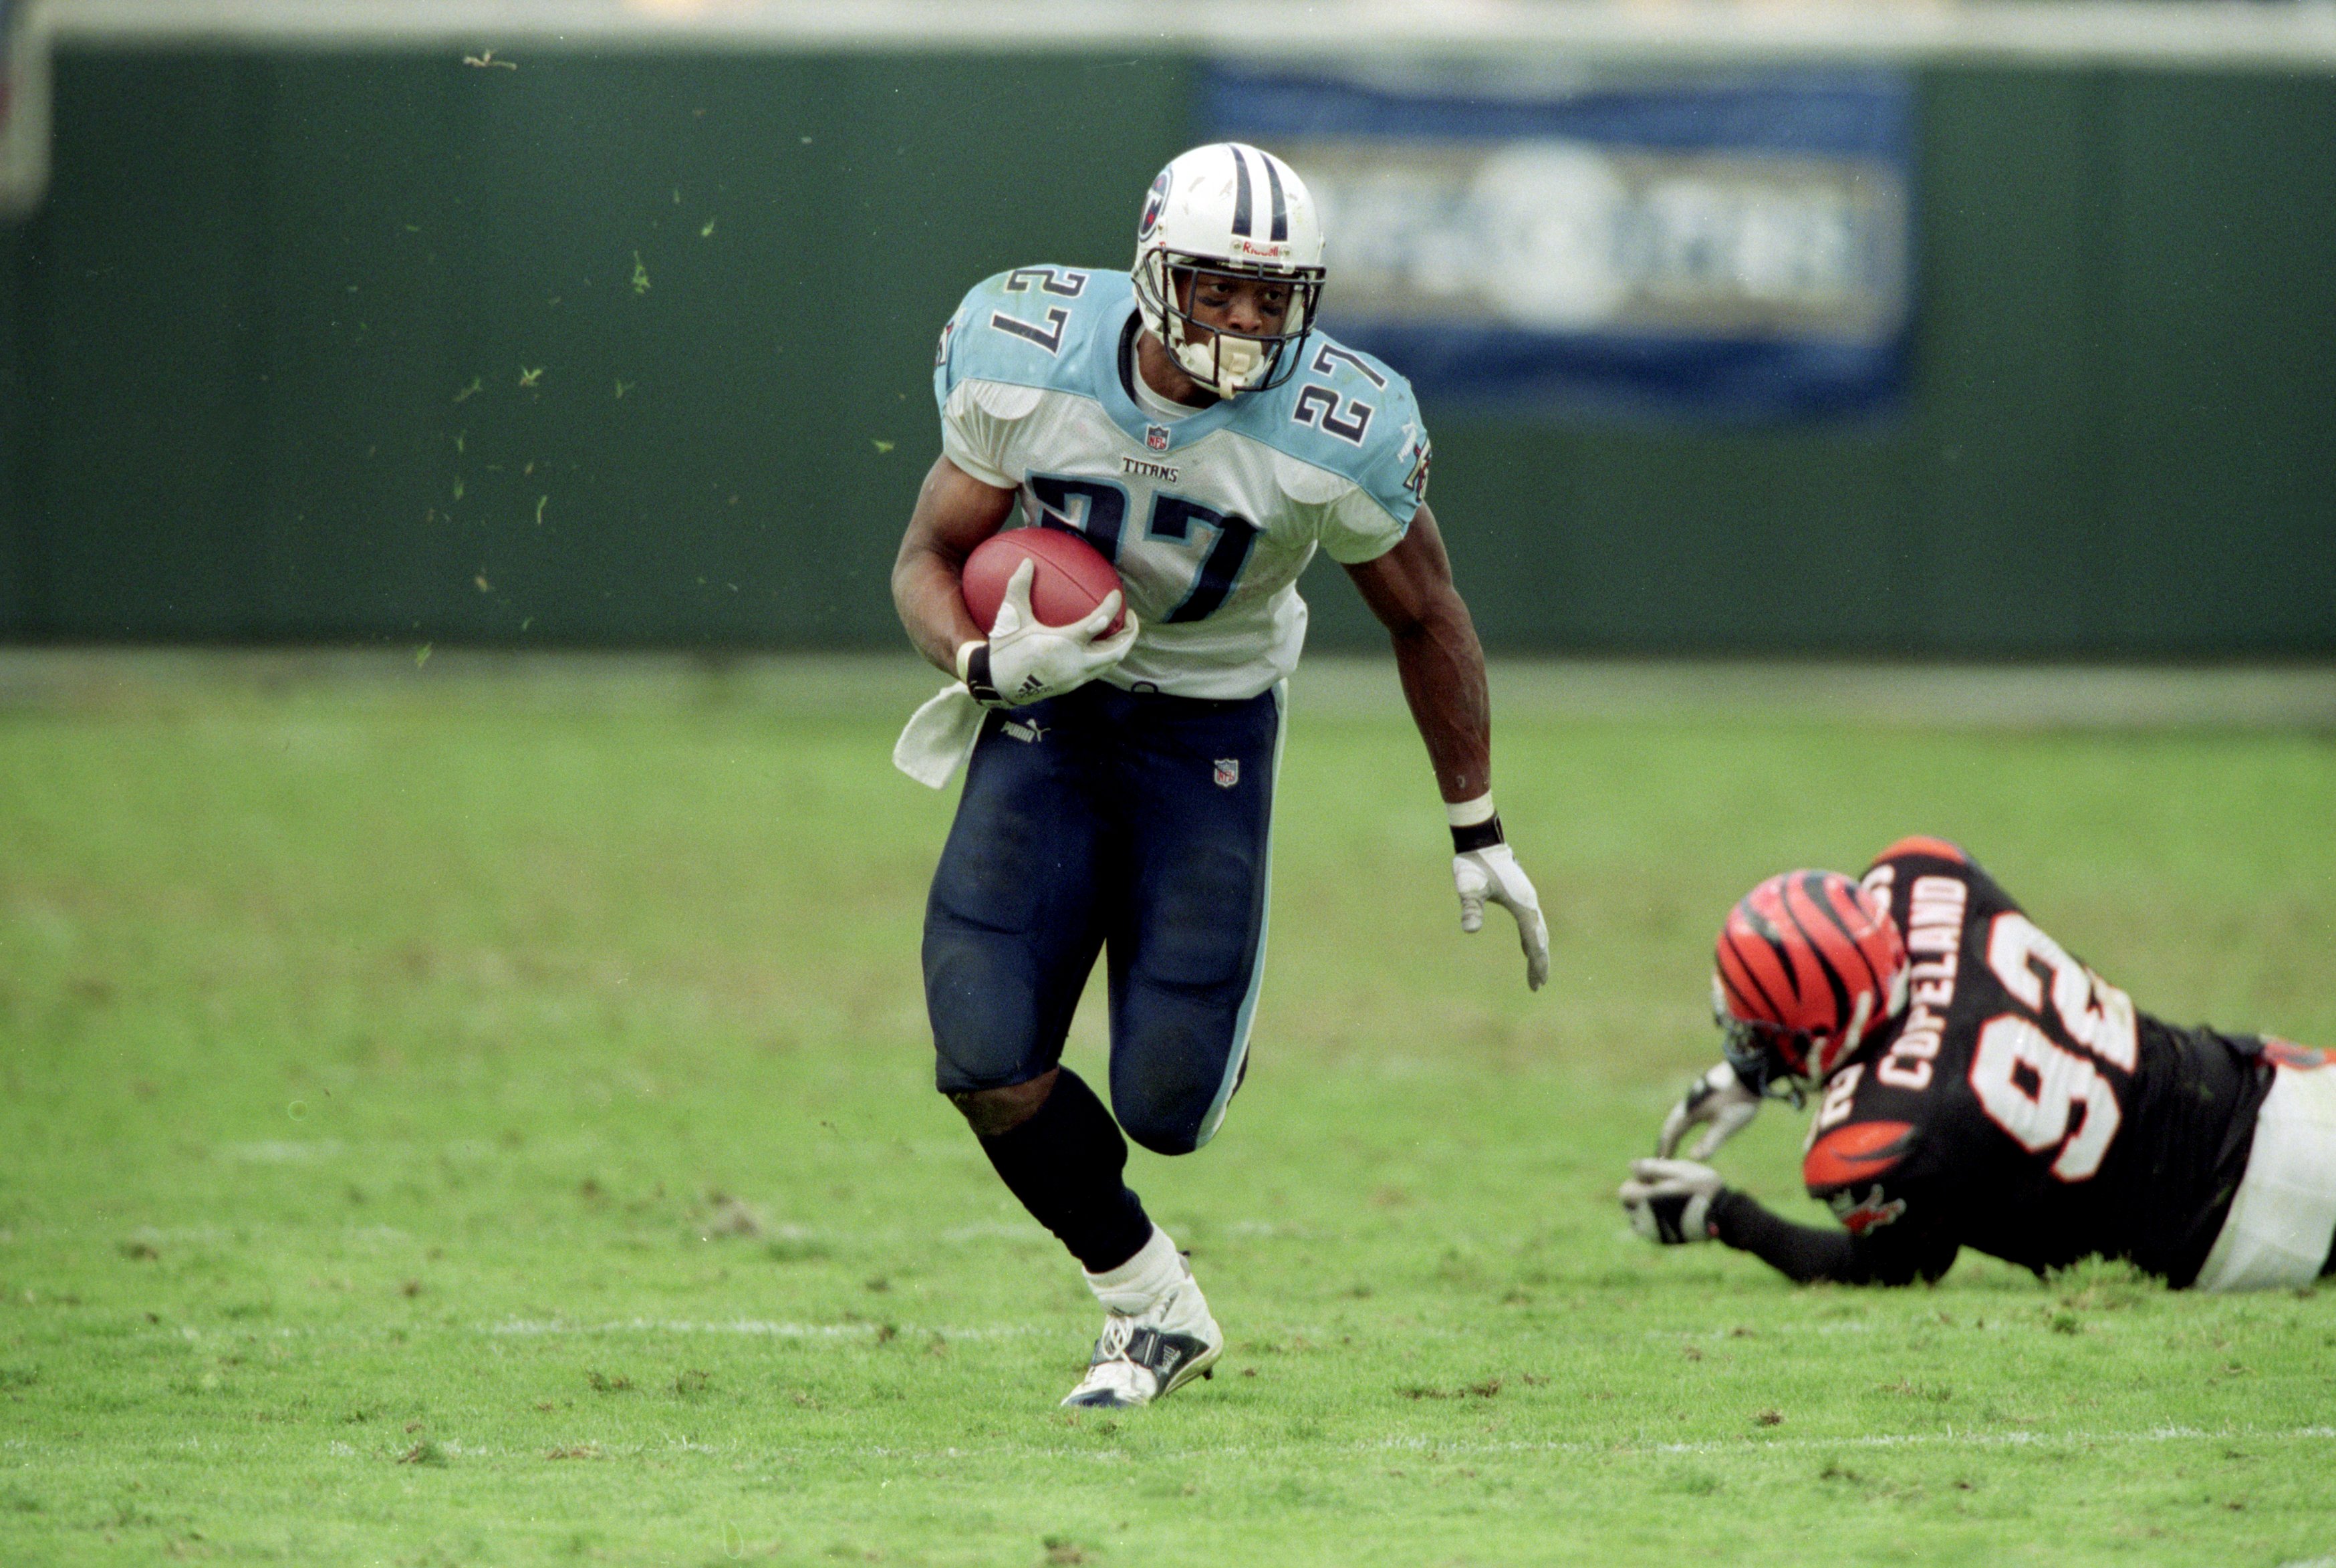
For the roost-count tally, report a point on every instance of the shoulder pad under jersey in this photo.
(1029, 326)
(1921, 846)
(1348, 413)
(1854, 1154)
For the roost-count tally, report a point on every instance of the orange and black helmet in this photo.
(1807, 963)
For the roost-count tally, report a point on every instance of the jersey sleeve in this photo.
(1808, 1253)
(1008, 339)
(1915, 855)
(974, 435)
(1896, 1213)
(1927, 847)
(977, 412)
(1390, 475)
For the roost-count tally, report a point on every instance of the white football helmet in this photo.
(1229, 209)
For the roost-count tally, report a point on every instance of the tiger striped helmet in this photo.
(1807, 963)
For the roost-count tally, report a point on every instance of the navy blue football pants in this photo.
(1105, 819)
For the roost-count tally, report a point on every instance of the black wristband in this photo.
(977, 677)
(1480, 835)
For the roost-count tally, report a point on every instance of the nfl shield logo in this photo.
(1155, 436)
(1228, 771)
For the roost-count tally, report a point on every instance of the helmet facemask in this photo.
(1228, 213)
(1783, 1063)
(1221, 360)
(1769, 1061)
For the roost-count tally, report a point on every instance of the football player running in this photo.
(1976, 1086)
(1192, 423)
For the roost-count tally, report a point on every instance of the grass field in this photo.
(459, 1119)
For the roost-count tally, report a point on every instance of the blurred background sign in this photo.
(1942, 330)
(24, 108)
(1681, 245)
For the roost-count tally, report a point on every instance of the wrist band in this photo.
(1480, 835)
(973, 668)
(1468, 814)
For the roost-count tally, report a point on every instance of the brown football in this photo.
(1071, 576)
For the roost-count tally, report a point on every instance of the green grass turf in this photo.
(443, 1124)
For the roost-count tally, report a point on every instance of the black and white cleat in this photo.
(1147, 1358)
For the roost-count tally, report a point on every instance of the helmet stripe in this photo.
(1752, 956)
(1743, 986)
(1789, 986)
(1803, 900)
(1827, 897)
(1273, 183)
(1738, 1002)
(1240, 194)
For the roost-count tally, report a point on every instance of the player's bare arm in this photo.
(954, 512)
(1442, 666)
(1437, 655)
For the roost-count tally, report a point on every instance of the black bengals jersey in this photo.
(2019, 1105)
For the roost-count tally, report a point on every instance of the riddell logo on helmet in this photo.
(1270, 250)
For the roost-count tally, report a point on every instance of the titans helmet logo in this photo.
(1153, 202)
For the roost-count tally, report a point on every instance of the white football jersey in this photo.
(1208, 518)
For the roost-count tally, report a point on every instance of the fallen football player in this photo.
(1976, 1086)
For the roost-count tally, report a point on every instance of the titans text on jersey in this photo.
(1209, 517)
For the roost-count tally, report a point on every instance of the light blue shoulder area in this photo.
(1031, 326)
(1345, 411)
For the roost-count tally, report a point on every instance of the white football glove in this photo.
(1029, 661)
(1718, 1098)
(1669, 1201)
(1492, 873)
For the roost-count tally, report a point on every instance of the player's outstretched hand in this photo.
(1718, 1098)
(1669, 1201)
(1030, 661)
(1492, 875)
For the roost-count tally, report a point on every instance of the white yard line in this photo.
(1949, 1439)
(757, 1328)
(1437, 1447)
(1433, 1447)
(532, 1328)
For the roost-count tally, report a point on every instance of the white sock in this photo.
(1135, 1285)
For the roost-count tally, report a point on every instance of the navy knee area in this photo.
(1166, 1135)
(1167, 1112)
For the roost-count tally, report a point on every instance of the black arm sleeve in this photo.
(1804, 1254)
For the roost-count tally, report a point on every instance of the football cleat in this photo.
(1148, 1355)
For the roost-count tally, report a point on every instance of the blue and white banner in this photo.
(1710, 250)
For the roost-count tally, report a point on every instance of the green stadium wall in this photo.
(633, 350)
